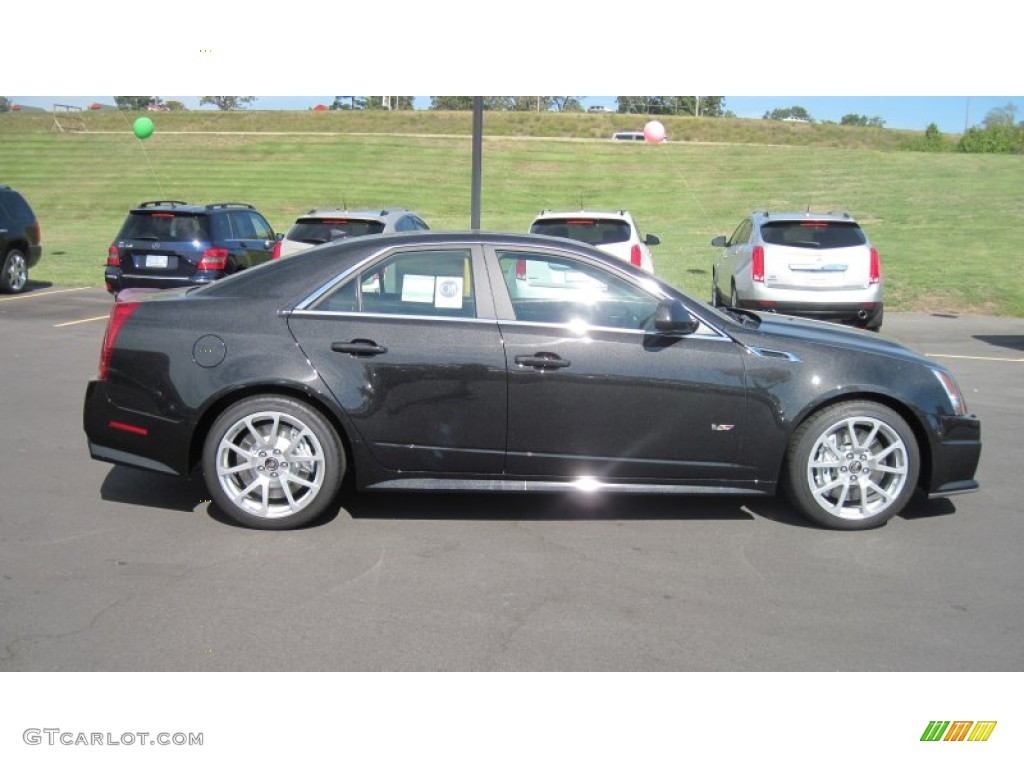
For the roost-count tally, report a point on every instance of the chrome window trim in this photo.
(388, 316)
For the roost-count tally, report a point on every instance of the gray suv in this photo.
(326, 225)
(20, 248)
(818, 265)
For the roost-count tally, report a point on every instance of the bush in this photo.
(1003, 138)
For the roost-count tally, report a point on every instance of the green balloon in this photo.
(143, 128)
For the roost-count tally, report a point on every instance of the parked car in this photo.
(410, 362)
(168, 243)
(614, 232)
(323, 226)
(20, 240)
(628, 136)
(808, 264)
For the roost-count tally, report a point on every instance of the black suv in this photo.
(167, 243)
(20, 238)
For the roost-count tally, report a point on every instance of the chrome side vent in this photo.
(775, 353)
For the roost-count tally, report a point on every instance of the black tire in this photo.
(852, 466)
(273, 462)
(14, 274)
(876, 322)
(716, 295)
(734, 298)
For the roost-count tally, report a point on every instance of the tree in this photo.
(789, 113)
(1003, 115)
(854, 119)
(5, 104)
(227, 102)
(705, 106)
(135, 103)
(354, 102)
(175, 106)
(465, 103)
(567, 103)
(389, 102)
(999, 137)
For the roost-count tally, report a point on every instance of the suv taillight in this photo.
(875, 276)
(118, 315)
(113, 257)
(757, 264)
(276, 253)
(520, 269)
(214, 258)
(38, 231)
(634, 256)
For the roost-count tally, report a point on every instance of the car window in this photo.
(433, 283)
(813, 234)
(594, 231)
(545, 288)
(163, 225)
(317, 230)
(247, 225)
(742, 233)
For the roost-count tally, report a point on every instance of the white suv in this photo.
(818, 265)
(613, 232)
(326, 225)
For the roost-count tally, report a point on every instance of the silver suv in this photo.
(325, 225)
(818, 265)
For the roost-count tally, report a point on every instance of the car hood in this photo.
(782, 329)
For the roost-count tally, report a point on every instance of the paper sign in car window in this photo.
(448, 293)
(418, 288)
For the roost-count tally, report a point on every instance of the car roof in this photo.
(620, 214)
(180, 206)
(765, 216)
(378, 214)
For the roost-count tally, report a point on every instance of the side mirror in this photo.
(279, 236)
(671, 316)
(719, 242)
(652, 240)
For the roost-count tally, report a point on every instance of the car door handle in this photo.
(359, 347)
(542, 360)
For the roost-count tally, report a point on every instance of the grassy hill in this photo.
(945, 223)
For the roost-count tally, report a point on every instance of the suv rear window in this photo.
(592, 231)
(813, 234)
(165, 226)
(317, 231)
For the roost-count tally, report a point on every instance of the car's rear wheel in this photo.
(734, 298)
(14, 276)
(852, 466)
(273, 462)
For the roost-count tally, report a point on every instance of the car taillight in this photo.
(757, 264)
(520, 269)
(118, 315)
(634, 256)
(38, 231)
(276, 253)
(214, 258)
(113, 257)
(876, 268)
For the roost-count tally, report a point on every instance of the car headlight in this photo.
(956, 398)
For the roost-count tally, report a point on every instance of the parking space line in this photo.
(987, 359)
(86, 320)
(39, 295)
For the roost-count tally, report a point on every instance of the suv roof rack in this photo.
(153, 203)
(212, 206)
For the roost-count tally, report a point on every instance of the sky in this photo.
(877, 59)
(952, 114)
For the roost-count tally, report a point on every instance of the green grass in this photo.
(945, 223)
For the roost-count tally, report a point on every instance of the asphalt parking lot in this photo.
(108, 568)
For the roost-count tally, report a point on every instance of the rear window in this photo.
(813, 234)
(586, 230)
(165, 226)
(317, 231)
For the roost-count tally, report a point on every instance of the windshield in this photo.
(586, 230)
(813, 234)
(316, 231)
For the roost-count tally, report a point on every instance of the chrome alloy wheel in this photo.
(270, 464)
(15, 272)
(857, 468)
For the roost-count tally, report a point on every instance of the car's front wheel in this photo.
(14, 276)
(273, 462)
(852, 466)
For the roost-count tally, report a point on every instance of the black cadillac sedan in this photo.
(500, 362)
